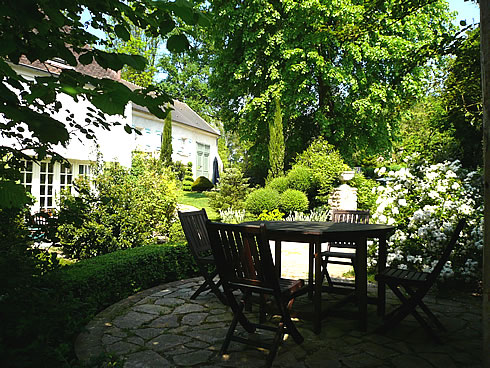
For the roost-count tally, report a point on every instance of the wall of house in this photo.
(185, 142)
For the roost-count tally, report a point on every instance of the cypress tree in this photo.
(166, 147)
(276, 143)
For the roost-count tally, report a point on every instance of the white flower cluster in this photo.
(425, 202)
(232, 216)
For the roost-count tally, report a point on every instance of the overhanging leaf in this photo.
(177, 43)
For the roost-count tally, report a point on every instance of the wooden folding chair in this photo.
(416, 285)
(244, 261)
(194, 226)
(342, 252)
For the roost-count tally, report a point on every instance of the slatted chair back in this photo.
(194, 226)
(243, 256)
(350, 216)
(445, 254)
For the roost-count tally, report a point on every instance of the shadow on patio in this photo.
(161, 327)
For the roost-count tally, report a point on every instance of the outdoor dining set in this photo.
(240, 268)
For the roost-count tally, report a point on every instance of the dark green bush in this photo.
(293, 200)
(263, 199)
(202, 184)
(231, 190)
(300, 178)
(106, 279)
(280, 184)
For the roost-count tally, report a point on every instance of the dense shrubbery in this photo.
(326, 164)
(231, 190)
(293, 200)
(280, 184)
(263, 199)
(300, 178)
(425, 203)
(366, 196)
(41, 317)
(202, 184)
(121, 210)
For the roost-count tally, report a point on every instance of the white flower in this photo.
(402, 202)
(395, 211)
(455, 186)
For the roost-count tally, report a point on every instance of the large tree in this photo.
(42, 30)
(343, 69)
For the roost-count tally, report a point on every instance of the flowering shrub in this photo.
(425, 203)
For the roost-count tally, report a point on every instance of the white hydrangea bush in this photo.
(425, 202)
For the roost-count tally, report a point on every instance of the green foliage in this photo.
(166, 147)
(122, 210)
(202, 184)
(326, 164)
(462, 100)
(276, 143)
(343, 69)
(280, 184)
(42, 317)
(293, 200)
(301, 178)
(274, 215)
(366, 198)
(188, 179)
(423, 133)
(263, 199)
(231, 190)
(179, 169)
(36, 119)
(108, 278)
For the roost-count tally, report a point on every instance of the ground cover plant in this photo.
(424, 202)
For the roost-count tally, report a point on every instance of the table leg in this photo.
(361, 281)
(382, 253)
(317, 320)
(278, 257)
(311, 258)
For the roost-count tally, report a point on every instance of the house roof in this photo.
(182, 113)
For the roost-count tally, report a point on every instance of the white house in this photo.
(193, 139)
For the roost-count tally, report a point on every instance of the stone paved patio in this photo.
(161, 327)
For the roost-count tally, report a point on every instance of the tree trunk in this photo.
(485, 69)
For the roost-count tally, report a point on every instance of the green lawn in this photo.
(198, 200)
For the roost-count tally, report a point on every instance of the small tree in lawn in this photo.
(276, 143)
(166, 147)
(188, 180)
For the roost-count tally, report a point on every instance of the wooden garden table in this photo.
(316, 233)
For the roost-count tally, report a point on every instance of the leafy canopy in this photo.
(343, 69)
(52, 29)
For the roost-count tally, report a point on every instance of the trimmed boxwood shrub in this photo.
(300, 178)
(280, 184)
(293, 200)
(264, 199)
(106, 279)
(202, 184)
